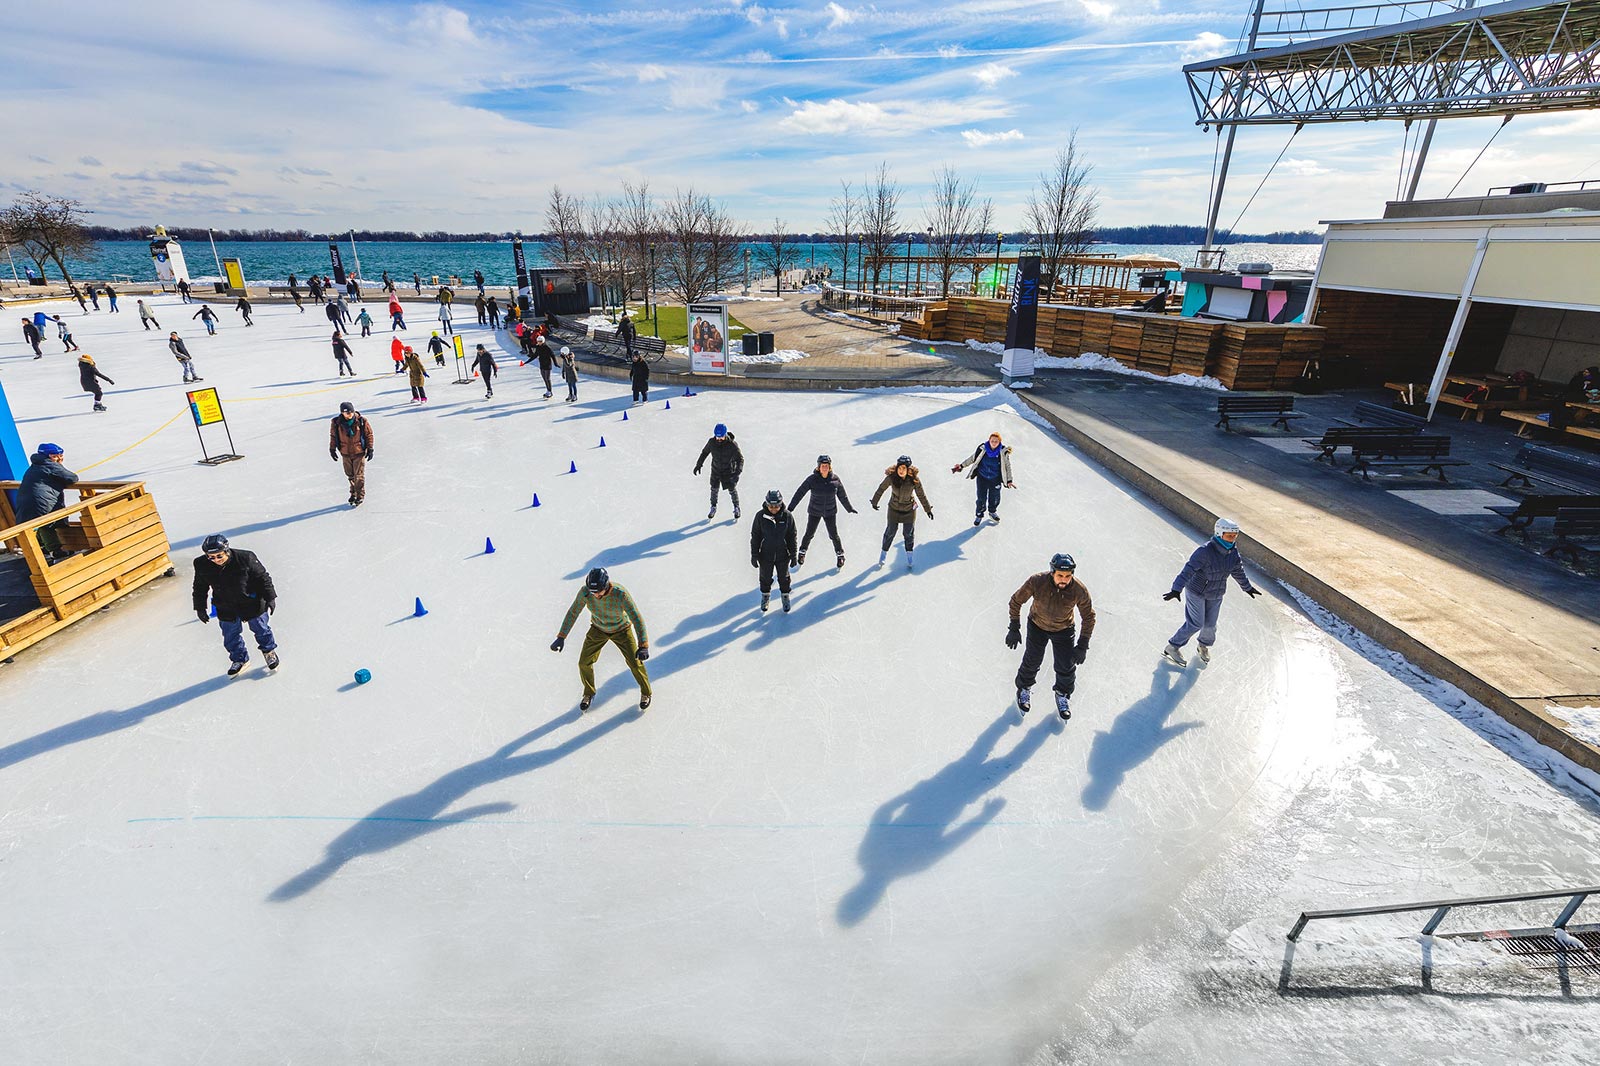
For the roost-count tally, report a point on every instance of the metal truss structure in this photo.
(1404, 60)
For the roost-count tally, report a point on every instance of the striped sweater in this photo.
(609, 613)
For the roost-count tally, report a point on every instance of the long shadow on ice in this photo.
(98, 725)
(1137, 734)
(650, 547)
(402, 820)
(256, 527)
(922, 825)
(952, 412)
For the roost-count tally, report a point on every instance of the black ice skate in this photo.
(583, 704)
(272, 660)
(800, 560)
(1024, 699)
(764, 597)
(840, 563)
(234, 668)
(644, 703)
(1061, 706)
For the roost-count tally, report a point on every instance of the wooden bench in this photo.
(1530, 509)
(1421, 452)
(1478, 407)
(1564, 470)
(1336, 437)
(1528, 419)
(610, 344)
(1378, 415)
(1574, 522)
(1277, 409)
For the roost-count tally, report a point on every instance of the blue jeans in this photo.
(988, 495)
(233, 637)
(211, 327)
(1199, 616)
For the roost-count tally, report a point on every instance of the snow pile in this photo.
(1096, 361)
(782, 355)
(597, 322)
(1581, 722)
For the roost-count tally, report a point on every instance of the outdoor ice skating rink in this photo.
(829, 840)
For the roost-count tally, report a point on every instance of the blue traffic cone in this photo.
(420, 610)
(669, 405)
(602, 442)
(574, 469)
(624, 416)
(687, 391)
(535, 500)
(488, 546)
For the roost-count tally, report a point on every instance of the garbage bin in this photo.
(766, 342)
(221, 287)
(751, 343)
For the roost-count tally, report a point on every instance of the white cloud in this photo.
(991, 74)
(981, 138)
(1207, 45)
(90, 161)
(891, 117)
(840, 16)
(749, 107)
(696, 88)
(1304, 168)
(204, 166)
(1099, 9)
(442, 20)
(782, 26)
(951, 51)
(651, 72)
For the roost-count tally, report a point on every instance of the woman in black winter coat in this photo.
(827, 496)
(89, 377)
(639, 374)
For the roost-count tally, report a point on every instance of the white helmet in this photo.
(1225, 525)
(565, 350)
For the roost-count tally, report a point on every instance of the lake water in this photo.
(274, 261)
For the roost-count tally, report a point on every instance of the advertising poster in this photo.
(233, 273)
(338, 263)
(708, 338)
(205, 406)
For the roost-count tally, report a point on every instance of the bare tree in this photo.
(597, 245)
(778, 252)
(563, 219)
(47, 229)
(700, 242)
(976, 243)
(843, 218)
(959, 222)
(1062, 210)
(637, 220)
(880, 218)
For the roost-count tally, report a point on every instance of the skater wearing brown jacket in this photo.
(904, 487)
(1056, 593)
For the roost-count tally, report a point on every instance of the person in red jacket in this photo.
(397, 352)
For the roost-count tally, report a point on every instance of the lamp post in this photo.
(998, 237)
(649, 283)
(747, 272)
(861, 261)
(908, 264)
(928, 251)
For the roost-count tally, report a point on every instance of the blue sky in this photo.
(461, 116)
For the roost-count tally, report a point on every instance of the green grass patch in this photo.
(671, 323)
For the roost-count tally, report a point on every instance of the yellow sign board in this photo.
(205, 406)
(461, 349)
(234, 272)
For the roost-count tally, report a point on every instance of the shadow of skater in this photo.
(918, 827)
(651, 547)
(98, 725)
(403, 820)
(1137, 734)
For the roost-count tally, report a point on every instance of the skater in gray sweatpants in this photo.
(1205, 578)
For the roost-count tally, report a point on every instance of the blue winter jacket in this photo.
(43, 487)
(1208, 569)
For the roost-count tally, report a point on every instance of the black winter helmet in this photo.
(774, 497)
(824, 459)
(214, 543)
(597, 580)
(1062, 561)
(904, 460)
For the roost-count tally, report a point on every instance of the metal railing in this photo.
(1440, 908)
(1553, 186)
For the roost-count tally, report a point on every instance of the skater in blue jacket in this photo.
(1205, 578)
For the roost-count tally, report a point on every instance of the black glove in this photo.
(1252, 593)
(644, 653)
(110, 382)
(272, 605)
(754, 561)
(558, 643)
(793, 562)
(333, 453)
(1080, 653)
(200, 613)
(1014, 635)
(929, 510)
(1174, 594)
(369, 455)
(874, 505)
(697, 471)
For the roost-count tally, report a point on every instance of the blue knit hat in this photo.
(720, 430)
(52, 449)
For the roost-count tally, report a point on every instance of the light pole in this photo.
(927, 250)
(861, 261)
(747, 272)
(998, 238)
(649, 283)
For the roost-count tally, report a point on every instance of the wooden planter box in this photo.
(120, 544)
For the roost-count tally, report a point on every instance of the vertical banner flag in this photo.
(1016, 364)
(521, 261)
(708, 338)
(338, 263)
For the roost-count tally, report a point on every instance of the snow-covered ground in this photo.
(828, 840)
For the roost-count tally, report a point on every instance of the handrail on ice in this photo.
(1442, 907)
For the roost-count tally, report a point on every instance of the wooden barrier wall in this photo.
(1373, 337)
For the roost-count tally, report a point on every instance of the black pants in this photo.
(832, 521)
(731, 484)
(544, 372)
(1061, 643)
(94, 387)
(641, 392)
(988, 495)
(494, 319)
(344, 364)
(779, 567)
(909, 522)
(483, 318)
(366, 329)
(419, 392)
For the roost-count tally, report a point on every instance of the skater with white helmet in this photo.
(1056, 593)
(1205, 578)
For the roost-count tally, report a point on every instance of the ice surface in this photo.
(828, 840)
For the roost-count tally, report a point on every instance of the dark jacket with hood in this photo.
(240, 588)
(772, 537)
(904, 492)
(827, 494)
(1208, 569)
(484, 364)
(87, 372)
(639, 373)
(43, 487)
(544, 353)
(727, 461)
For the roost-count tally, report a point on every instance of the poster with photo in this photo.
(708, 338)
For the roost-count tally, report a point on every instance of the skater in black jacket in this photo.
(547, 361)
(436, 347)
(827, 496)
(342, 353)
(772, 546)
(639, 374)
(484, 366)
(89, 378)
(727, 463)
(241, 590)
(244, 308)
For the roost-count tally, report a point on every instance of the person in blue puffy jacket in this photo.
(1205, 578)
